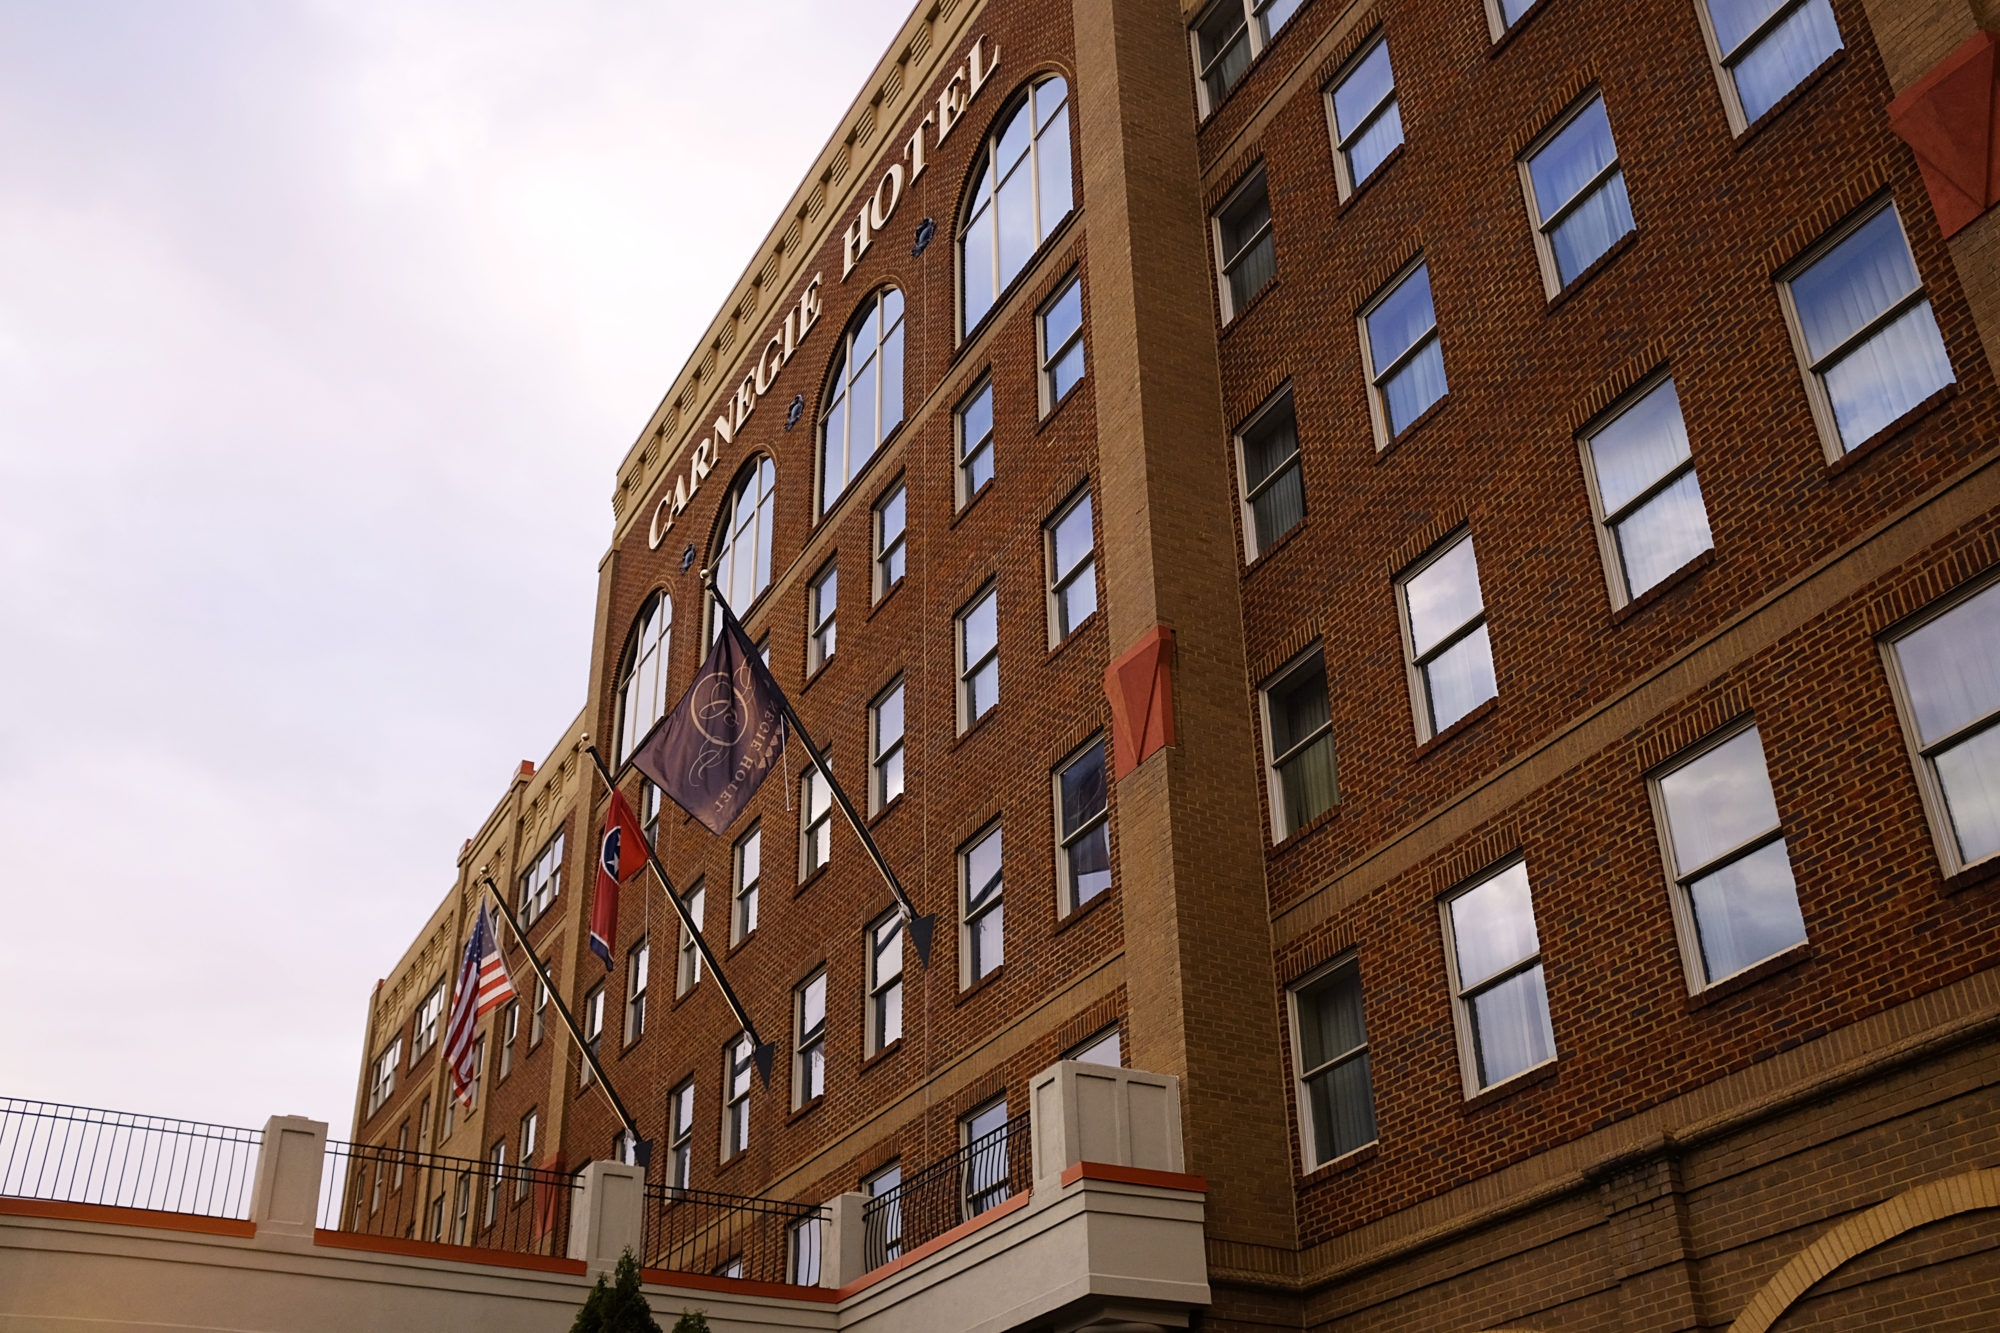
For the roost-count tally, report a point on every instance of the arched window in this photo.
(741, 553)
(864, 395)
(1020, 191)
(642, 680)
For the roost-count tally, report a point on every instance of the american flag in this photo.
(482, 984)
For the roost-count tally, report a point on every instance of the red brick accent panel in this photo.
(1951, 119)
(1140, 686)
(129, 1217)
(1134, 1175)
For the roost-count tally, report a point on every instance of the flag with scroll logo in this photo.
(717, 746)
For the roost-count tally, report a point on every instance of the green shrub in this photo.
(620, 1307)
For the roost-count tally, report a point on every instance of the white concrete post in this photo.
(284, 1201)
(843, 1241)
(609, 1216)
(1100, 1113)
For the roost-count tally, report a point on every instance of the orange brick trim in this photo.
(1653, 357)
(1367, 289)
(1844, 200)
(1476, 856)
(1301, 636)
(464, 1254)
(1690, 724)
(1972, 1192)
(1567, 94)
(924, 1251)
(1344, 50)
(1134, 1175)
(1923, 588)
(111, 1215)
(1315, 951)
(1218, 194)
(1442, 524)
(736, 1286)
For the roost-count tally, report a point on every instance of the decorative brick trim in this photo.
(1302, 959)
(1100, 1015)
(1270, 383)
(1573, 89)
(1476, 855)
(1920, 589)
(1651, 358)
(1296, 640)
(1344, 50)
(1429, 537)
(1380, 276)
(1841, 203)
(1691, 723)
(1251, 163)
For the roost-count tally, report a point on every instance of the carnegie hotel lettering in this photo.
(965, 84)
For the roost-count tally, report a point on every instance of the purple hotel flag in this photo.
(717, 746)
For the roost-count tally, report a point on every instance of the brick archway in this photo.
(1914, 1208)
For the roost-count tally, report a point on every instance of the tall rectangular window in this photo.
(1400, 347)
(1072, 561)
(748, 871)
(638, 967)
(1227, 37)
(538, 1018)
(382, 1075)
(1059, 331)
(985, 1133)
(496, 1170)
(1298, 742)
(680, 1136)
(1244, 245)
(1274, 486)
(823, 604)
(885, 1224)
(510, 1027)
(1765, 48)
(802, 1252)
(978, 634)
(1947, 676)
(1734, 899)
(1336, 1101)
(649, 812)
(1444, 637)
(402, 1154)
(424, 1031)
(1867, 340)
(478, 1072)
(736, 1070)
(975, 443)
(1644, 492)
(815, 823)
(809, 1039)
(689, 973)
(541, 881)
(885, 983)
(1083, 828)
(891, 530)
(593, 1027)
(1494, 955)
(984, 912)
(885, 748)
(1576, 194)
(530, 1125)
(1367, 121)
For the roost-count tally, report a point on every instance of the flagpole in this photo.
(921, 928)
(642, 1147)
(760, 1050)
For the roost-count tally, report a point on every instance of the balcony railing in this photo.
(983, 1174)
(367, 1190)
(731, 1235)
(79, 1154)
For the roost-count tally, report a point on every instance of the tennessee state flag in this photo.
(620, 852)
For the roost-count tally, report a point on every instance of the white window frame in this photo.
(1343, 170)
(877, 1183)
(424, 1027)
(822, 617)
(964, 450)
(639, 707)
(1274, 779)
(842, 386)
(1937, 810)
(810, 825)
(1378, 401)
(806, 1039)
(687, 968)
(745, 889)
(803, 1240)
(968, 670)
(1724, 63)
(881, 754)
(982, 191)
(1497, 25)
(1413, 666)
(1616, 576)
(541, 882)
(1539, 226)
(1089, 1050)
(737, 1068)
(530, 1125)
(593, 1031)
(1259, 34)
(382, 1076)
(538, 1018)
(758, 476)
(997, 903)
(1812, 371)
(496, 1166)
(680, 1135)
(881, 983)
(1046, 357)
(1059, 582)
(638, 975)
(887, 547)
(1464, 1021)
(1226, 262)
(510, 1029)
(966, 1139)
(1066, 890)
(1311, 1156)
(1282, 402)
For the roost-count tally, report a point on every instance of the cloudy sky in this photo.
(322, 328)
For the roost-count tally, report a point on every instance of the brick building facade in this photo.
(1510, 489)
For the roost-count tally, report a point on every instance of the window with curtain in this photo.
(1500, 998)
(1367, 120)
(1083, 828)
(1305, 782)
(642, 679)
(1576, 189)
(864, 394)
(1337, 1101)
(1274, 488)
(1766, 48)
(1399, 339)
(1450, 655)
(1948, 676)
(1650, 514)
(741, 558)
(984, 945)
(1021, 189)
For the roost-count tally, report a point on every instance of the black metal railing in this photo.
(80, 1154)
(983, 1174)
(369, 1190)
(732, 1235)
